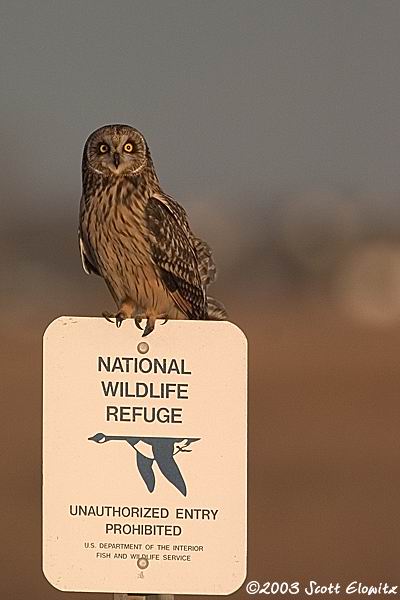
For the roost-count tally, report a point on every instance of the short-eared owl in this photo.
(137, 237)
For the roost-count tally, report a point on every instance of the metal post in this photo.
(145, 597)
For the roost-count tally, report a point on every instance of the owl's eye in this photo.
(103, 148)
(128, 147)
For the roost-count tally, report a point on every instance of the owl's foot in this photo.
(125, 312)
(151, 321)
(119, 317)
(138, 320)
(107, 315)
(150, 324)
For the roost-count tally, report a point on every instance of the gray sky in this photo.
(235, 97)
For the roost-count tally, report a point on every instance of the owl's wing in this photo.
(173, 251)
(207, 268)
(205, 260)
(87, 263)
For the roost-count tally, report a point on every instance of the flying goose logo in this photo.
(151, 449)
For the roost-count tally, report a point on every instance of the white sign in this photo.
(144, 457)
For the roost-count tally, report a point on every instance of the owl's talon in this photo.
(149, 326)
(138, 320)
(165, 321)
(119, 317)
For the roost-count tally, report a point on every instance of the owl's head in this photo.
(118, 150)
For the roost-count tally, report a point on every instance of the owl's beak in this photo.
(116, 160)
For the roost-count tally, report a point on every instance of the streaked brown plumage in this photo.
(137, 238)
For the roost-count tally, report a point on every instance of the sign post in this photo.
(144, 458)
(148, 597)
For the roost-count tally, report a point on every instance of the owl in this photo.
(138, 238)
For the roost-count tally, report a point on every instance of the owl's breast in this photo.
(117, 234)
(116, 231)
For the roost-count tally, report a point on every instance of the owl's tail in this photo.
(216, 311)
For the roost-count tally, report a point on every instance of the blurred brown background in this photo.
(276, 125)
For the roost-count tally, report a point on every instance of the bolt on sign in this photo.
(144, 457)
